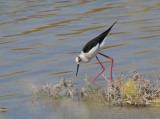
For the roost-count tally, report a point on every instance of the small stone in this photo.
(3, 109)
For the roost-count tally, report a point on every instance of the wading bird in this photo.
(91, 49)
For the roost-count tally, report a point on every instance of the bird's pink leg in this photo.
(111, 63)
(100, 72)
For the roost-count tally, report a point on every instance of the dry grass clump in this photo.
(137, 90)
(59, 90)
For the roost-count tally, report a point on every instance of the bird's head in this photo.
(78, 60)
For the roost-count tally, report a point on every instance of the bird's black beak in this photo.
(77, 69)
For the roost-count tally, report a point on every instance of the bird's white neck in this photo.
(84, 58)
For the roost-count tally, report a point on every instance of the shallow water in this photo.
(39, 40)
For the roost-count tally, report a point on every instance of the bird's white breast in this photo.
(93, 52)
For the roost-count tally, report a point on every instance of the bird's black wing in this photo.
(96, 40)
(89, 46)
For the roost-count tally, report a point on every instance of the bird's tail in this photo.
(102, 36)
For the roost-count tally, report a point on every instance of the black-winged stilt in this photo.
(91, 49)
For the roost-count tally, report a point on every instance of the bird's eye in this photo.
(79, 59)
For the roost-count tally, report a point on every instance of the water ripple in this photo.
(15, 73)
(29, 48)
(57, 73)
(9, 95)
(123, 44)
